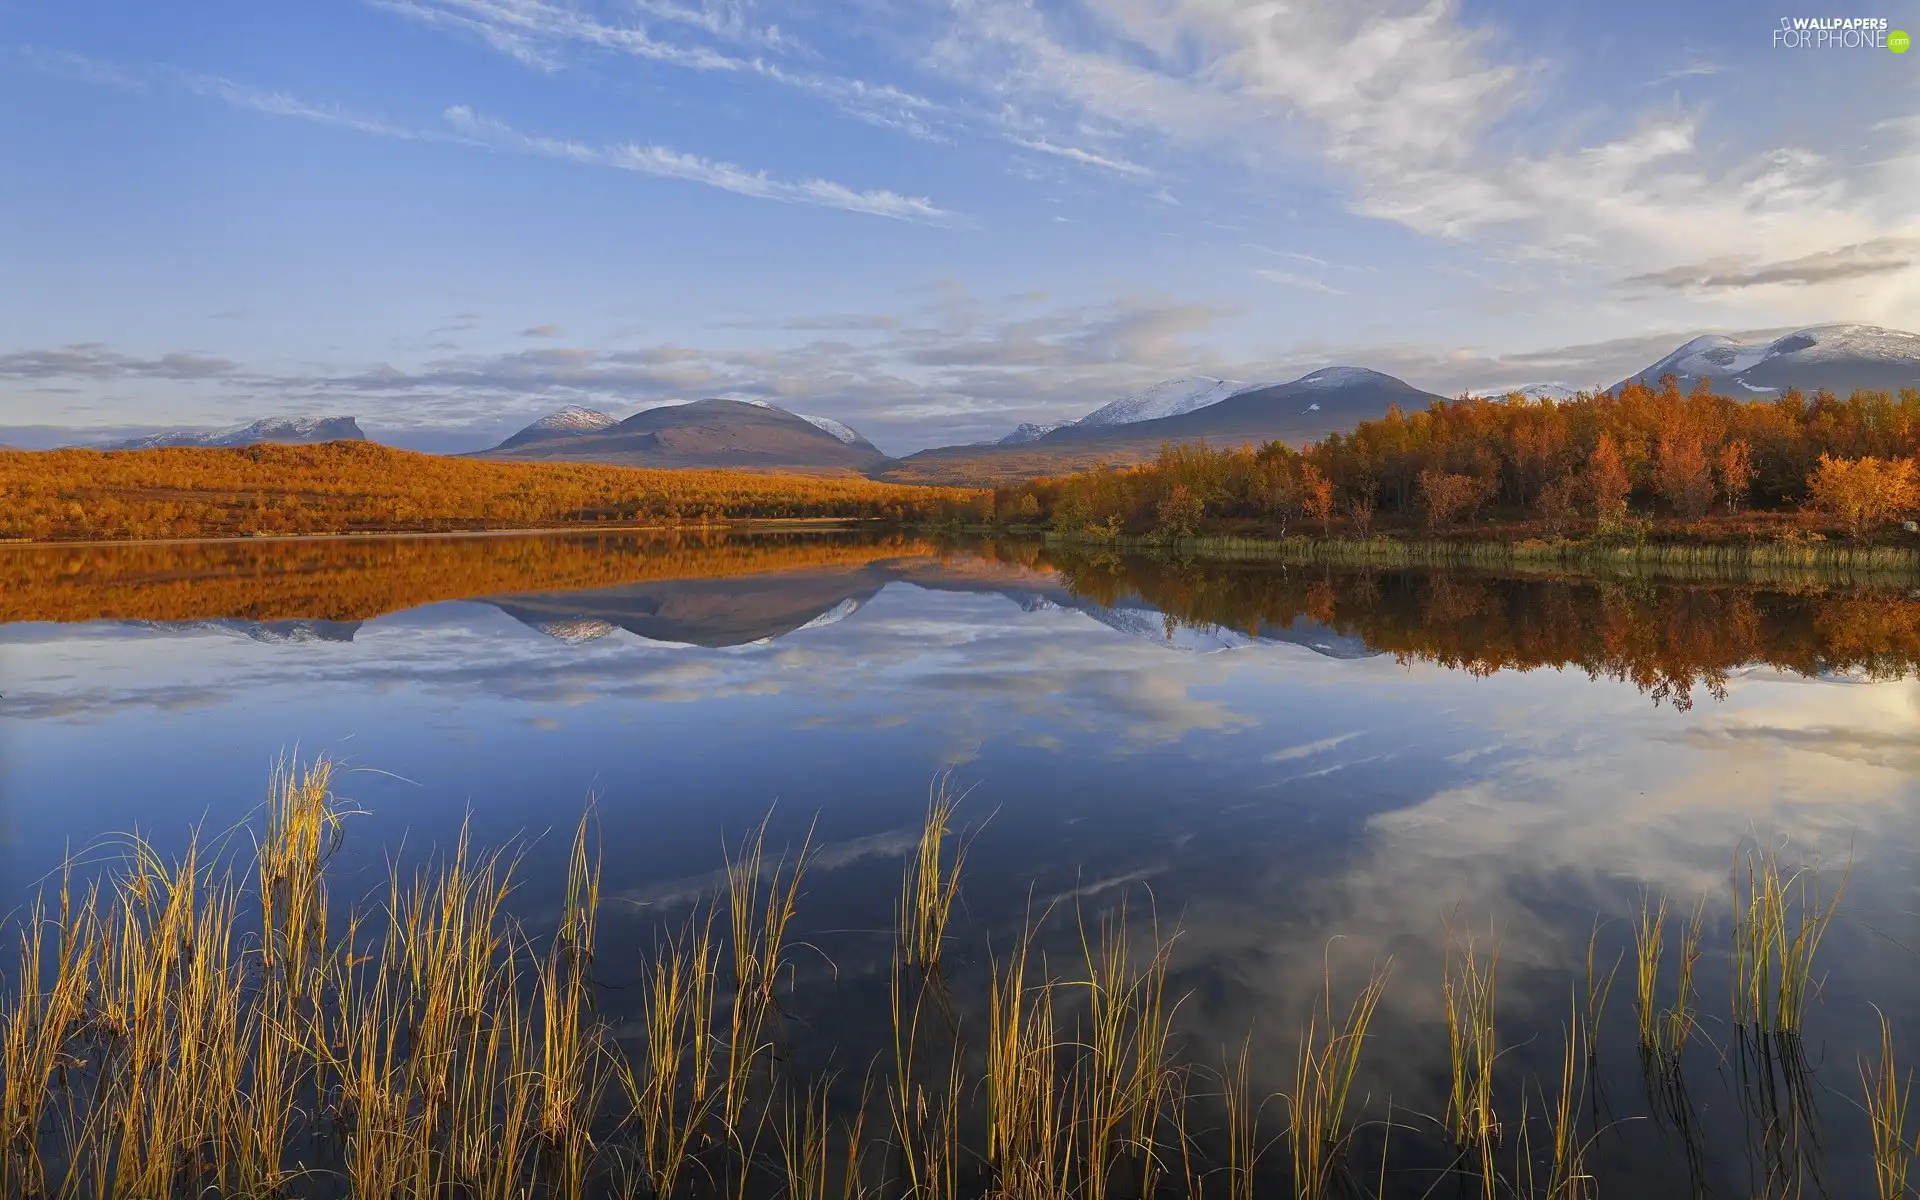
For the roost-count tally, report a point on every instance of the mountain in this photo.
(1169, 398)
(271, 429)
(571, 421)
(1333, 399)
(1551, 393)
(1029, 431)
(1838, 358)
(749, 435)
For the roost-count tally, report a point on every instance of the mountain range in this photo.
(757, 435)
(301, 430)
(1838, 358)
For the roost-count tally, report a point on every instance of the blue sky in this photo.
(931, 219)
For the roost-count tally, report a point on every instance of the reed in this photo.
(1599, 989)
(169, 1031)
(1887, 1092)
(1781, 916)
(1030, 1143)
(1677, 1023)
(1245, 1146)
(1324, 1070)
(1467, 993)
(759, 916)
(931, 883)
(1648, 933)
(1568, 1177)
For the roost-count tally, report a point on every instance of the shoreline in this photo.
(1652, 559)
(752, 525)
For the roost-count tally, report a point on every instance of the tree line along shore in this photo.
(1642, 464)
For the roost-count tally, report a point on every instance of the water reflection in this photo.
(1278, 756)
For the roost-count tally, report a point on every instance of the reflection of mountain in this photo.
(261, 631)
(742, 610)
(701, 612)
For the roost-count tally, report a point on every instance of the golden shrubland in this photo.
(345, 487)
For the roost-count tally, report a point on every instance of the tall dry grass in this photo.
(186, 1027)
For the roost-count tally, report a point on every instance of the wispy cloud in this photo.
(672, 164)
(539, 34)
(67, 65)
(1084, 157)
(282, 104)
(91, 360)
(1878, 256)
(1294, 279)
(462, 125)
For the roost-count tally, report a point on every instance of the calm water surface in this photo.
(1290, 766)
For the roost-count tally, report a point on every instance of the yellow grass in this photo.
(186, 1027)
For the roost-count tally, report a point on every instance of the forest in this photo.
(1628, 464)
(346, 487)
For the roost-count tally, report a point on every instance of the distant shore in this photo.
(1587, 556)
(754, 525)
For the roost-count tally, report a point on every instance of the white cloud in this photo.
(1411, 111)
(1084, 157)
(673, 164)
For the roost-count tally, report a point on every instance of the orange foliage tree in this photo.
(1863, 493)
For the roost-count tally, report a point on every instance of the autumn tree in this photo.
(1316, 496)
(1447, 497)
(1608, 484)
(1555, 504)
(1733, 471)
(1682, 477)
(1863, 493)
(1179, 511)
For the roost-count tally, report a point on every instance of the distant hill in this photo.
(292, 430)
(1839, 358)
(571, 421)
(738, 434)
(1333, 399)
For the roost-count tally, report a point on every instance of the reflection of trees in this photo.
(355, 579)
(1670, 640)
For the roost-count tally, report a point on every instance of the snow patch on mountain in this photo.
(1548, 393)
(1030, 431)
(1169, 398)
(833, 616)
(575, 419)
(826, 425)
(1333, 377)
(830, 426)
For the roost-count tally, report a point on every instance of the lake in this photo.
(1299, 774)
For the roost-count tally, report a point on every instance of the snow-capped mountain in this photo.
(827, 425)
(1169, 398)
(845, 433)
(712, 434)
(1549, 393)
(271, 429)
(1029, 431)
(570, 422)
(574, 419)
(1839, 358)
